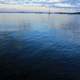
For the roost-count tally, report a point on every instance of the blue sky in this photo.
(57, 3)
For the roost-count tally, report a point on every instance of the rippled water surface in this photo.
(39, 46)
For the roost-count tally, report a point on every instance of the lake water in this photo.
(39, 46)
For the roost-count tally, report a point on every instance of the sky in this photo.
(57, 3)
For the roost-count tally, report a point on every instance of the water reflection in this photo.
(40, 44)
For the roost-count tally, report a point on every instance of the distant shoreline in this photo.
(44, 13)
(5, 8)
(67, 13)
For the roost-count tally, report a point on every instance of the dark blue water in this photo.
(39, 47)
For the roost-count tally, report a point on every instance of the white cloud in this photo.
(56, 0)
(65, 5)
(57, 3)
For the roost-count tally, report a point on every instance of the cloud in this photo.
(65, 5)
(57, 3)
(56, 0)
